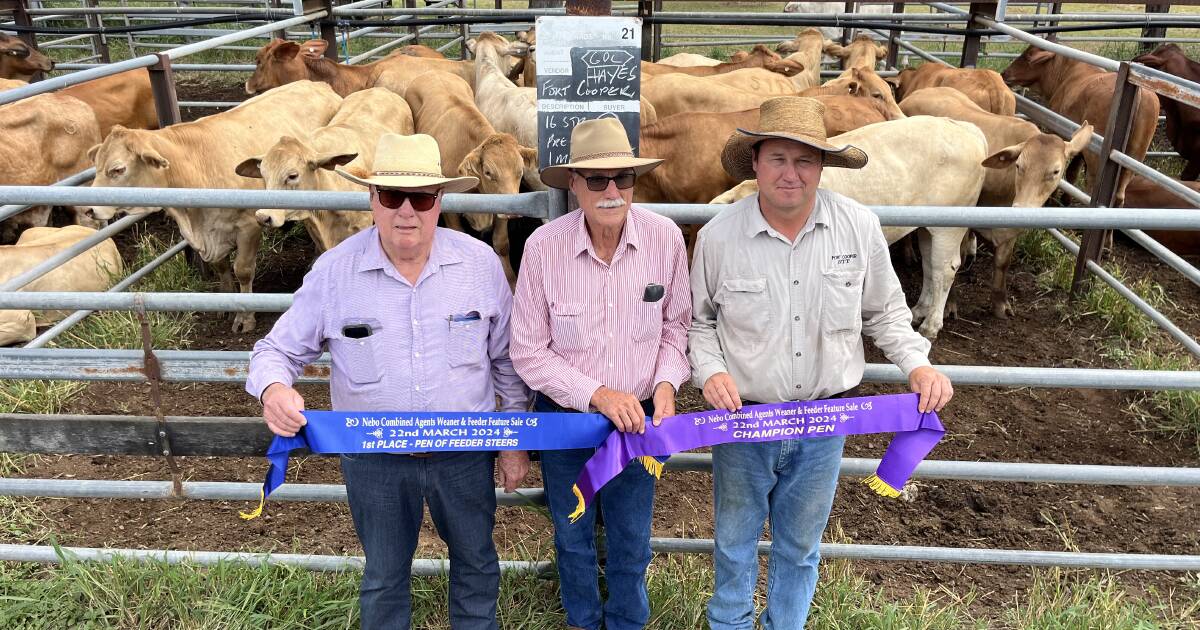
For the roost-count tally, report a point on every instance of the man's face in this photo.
(606, 207)
(788, 174)
(406, 217)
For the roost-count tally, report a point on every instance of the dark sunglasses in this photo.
(597, 183)
(392, 199)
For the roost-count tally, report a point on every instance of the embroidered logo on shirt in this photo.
(843, 259)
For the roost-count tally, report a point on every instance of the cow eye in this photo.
(293, 177)
(116, 171)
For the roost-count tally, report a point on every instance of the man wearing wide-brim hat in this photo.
(784, 283)
(600, 323)
(415, 318)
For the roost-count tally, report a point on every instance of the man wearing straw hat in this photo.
(600, 323)
(415, 318)
(784, 283)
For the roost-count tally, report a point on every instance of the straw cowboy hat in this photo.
(791, 118)
(599, 144)
(409, 162)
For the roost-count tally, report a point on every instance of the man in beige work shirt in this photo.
(784, 283)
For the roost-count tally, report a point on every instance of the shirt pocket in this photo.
(841, 302)
(466, 340)
(649, 324)
(568, 330)
(745, 312)
(356, 358)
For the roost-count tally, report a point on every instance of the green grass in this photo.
(1060, 600)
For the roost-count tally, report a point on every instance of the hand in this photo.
(721, 392)
(281, 409)
(664, 401)
(933, 386)
(512, 467)
(622, 409)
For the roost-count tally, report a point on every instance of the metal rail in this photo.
(83, 176)
(74, 318)
(213, 366)
(1142, 305)
(1167, 256)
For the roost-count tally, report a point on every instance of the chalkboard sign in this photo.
(588, 67)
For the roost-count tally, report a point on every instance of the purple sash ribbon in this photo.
(916, 434)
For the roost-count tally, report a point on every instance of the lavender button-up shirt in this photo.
(438, 345)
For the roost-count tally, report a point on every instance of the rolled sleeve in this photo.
(514, 395)
(296, 340)
(704, 348)
(672, 366)
(886, 316)
(540, 367)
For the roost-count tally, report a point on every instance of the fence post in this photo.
(276, 4)
(589, 7)
(162, 86)
(1055, 8)
(971, 43)
(893, 48)
(1104, 186)
(99, 40)
(464, 32)
(1154, 31)
(848, 8)
(413, 30)
(645, 9)
(656, 52)
(328, 25)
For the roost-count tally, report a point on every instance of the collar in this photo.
(441, 254)
(630, 233)
(756, 224)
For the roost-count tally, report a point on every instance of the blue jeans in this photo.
(627, 503)
(387, 496)
(793, 482)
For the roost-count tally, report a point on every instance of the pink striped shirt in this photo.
(579, 323)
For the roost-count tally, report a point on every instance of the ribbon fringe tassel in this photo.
(580, 506)
(653, 466)
(253, 514)
(881, 487)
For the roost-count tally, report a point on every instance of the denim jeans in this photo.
(627, 503)
(387, 496)
(792, 482)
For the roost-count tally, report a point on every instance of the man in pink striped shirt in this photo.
(600, 322)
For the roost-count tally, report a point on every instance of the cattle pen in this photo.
(450, 23)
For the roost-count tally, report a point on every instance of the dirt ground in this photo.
(984, 423)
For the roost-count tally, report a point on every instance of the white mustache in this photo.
(610, 203)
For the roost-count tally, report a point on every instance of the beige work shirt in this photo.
(786, 319)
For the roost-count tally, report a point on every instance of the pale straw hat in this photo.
(409, 162)
(795, 118)
(599, 144)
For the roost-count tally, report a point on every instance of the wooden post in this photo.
(971, 43)
(894, 48)
(99, 41)
(415, 30)
(645, 9)
(589, 7)
(1104, 186)
(276, 4)
(464, 31)
(656, 52)
(1154, 31)
(328, 26)
(1055, 7)
(162, 86)
(20, 16)
(846, 30)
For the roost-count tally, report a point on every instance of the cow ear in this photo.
(530, 157)
(286, 50)
(153, 158)
(92, 153)
(853, 87)
(329, 162)
(880, 51)
(314, 48)
(250, 168)
(469, 167)
(1040, 56)
(471, 46)
(523, 36)
(834, 50)
(893, 81)
(1080, 140)
(1005, 157)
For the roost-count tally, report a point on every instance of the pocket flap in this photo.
(745, 285)
(566, 309)
(845, 279)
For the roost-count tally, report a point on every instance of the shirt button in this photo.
(797, 387)
(418, 354)
(610, 334)
(796, 318)
(610, 305)
(610, 364)
(797, 354)
(416, 323)
(847, 284)
(418, 387)
(795, 282)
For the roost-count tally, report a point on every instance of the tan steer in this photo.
(204, 154)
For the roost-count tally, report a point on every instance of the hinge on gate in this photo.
(153, 371)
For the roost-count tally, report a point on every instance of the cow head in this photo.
(127, 159)
(1028, 68)
(867, 83)
(897, 82)
(291, 164)
(807, 39)
(1039, 164)
(499, 163)
(489, 47)
(1160, 56)
(19, 60)
(862, 52)
(277, 63)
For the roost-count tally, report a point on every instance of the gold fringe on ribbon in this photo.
(653, 466)
(580, 507)
(881, 487)
(262, 499)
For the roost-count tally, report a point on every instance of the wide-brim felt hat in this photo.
(409, 162)
(599, 144)
(796, 118)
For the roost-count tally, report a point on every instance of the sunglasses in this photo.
(597, 183)
(392, 199)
